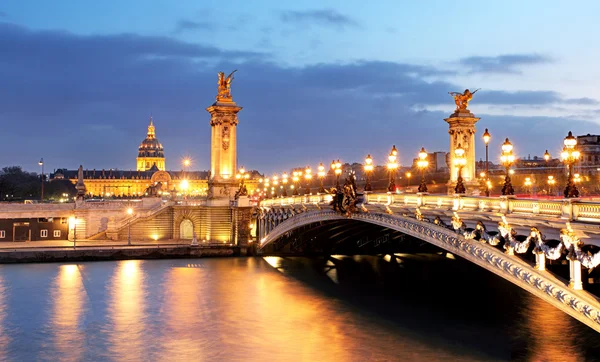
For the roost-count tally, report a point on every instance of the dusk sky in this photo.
(318, 80)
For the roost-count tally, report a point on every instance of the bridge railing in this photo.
(570, 209)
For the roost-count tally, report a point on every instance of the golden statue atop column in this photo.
(224, 89)
(462, 132)
(223, 155)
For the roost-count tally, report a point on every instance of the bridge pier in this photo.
(575, 274)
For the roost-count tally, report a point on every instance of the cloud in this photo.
(508, 63)
(92, 96)
(325, 17)
(184, 25)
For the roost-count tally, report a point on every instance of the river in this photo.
(407, 308)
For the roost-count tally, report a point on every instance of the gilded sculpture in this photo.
(224, 89)
(462, 99)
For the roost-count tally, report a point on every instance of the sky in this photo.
(318, 80)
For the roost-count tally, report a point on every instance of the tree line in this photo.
(19, 185)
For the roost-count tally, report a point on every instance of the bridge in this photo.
(528, 242)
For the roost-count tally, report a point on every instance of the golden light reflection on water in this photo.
(68, 296)
(127, 311)
(182, 332)
(552, 333)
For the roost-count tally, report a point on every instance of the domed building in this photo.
(151, 153)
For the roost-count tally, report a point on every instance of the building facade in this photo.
(149, 179)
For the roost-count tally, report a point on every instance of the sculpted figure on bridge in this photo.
(462, 99)
(224, 86)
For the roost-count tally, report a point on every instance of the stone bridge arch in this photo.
(275, 222)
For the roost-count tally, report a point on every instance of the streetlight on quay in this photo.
(308, 176)
(321, 175)
(295, 178)
(569, 156)
(486, 139)
(284, 181)
(507, 158)
(551, 183)
(41, 163)
(459, 161)
(368, 170)
(130, 213)
(422, 164)
(547, 159)
(392, 166)
(336, 166)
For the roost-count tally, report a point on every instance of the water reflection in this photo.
(127, 311)
(68, 298)
(4, 332)
(182, 331)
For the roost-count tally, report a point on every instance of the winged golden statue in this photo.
(224, 86)
(462, 99)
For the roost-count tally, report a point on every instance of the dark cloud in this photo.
(86, 100)
(325, 17)
(185, 25)
(508, 63)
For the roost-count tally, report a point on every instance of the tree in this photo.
(16, 184)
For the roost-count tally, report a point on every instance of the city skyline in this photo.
(317, 83)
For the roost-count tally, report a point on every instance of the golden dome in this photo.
(150, 147)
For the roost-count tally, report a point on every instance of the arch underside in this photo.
(579, 304)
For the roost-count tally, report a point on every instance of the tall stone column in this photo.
(222, 184)
(462, 132)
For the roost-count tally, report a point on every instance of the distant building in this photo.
(438, 162)
(149, 177)
(589, 146)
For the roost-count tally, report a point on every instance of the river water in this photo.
(410, 307)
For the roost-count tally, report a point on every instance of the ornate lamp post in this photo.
(368, 169)
(486, 139)
(266, 183)
(275, 179)
(392, 166)
(569, 156)
(422, 164)
(321, 175)
(551, 183)
(308, 176)
(336, 166)
(284, 181)
(528, 184)
(507, 158)
(41, 163)
(295, 178)
(459, 161)
(547, 158)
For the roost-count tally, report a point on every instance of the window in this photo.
(44, 233)
(2, 234)
(57, 233)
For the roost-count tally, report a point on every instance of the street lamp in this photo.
(73, 224)
(507, 158)
(336, 166)
(186, 164)
(408, 176)
(368, 169)
(284, 181)
(276, 183)
(570, 155)
(459, 161)
(321, 175)
(486, 139)
(41, 163)
(551, 182)
(308, 176)
(528, 185)
(392, 166)
(130, 213)
(422, 164)
(295, 178)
